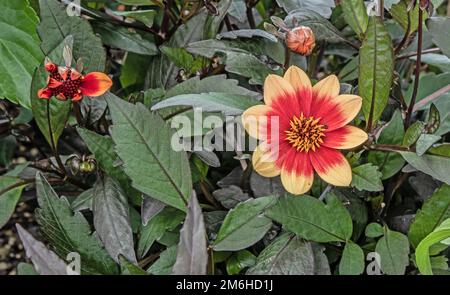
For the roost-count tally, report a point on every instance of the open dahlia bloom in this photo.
(301, 128)
(67, 83)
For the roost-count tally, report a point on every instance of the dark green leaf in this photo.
(374, 230)
(376, 66)
(56, 25)
(239, 261)
(255, 47)
(144, 16)
(122, 38)
(249, 66)
(313, 220)
(68, 232)
(441, 150)
(246, 33)
(229, 104)
(435, 210)
(356, 16)
(57, 110)
(438, 27)
(429, 83)
(290, 255)
(134, 69)
(390, 163)
(103, 149)
(367, 178)
(7, 148)
(244, 225)
(183, 59)
(413, 133)
(322, 7)
(435, 166)
(166, 220)
(393, 249)
(9, 199)
(83, 201)
(403, 14)
(20, 53)
(26, 269)
(322, 28)
(143, 143)
(128, 268)
(230, 196)
(424, 142)
(352, 261)
(164, 265)
(162, 72)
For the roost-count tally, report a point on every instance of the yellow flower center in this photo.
(305, 133)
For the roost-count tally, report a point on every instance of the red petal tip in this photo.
(44, 93)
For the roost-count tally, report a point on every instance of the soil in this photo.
(11, 249)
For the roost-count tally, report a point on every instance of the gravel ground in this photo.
(11, 249)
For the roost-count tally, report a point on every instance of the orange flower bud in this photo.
(301, 40)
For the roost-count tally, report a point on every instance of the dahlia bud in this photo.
(301, 40)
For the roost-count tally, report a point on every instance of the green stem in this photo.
(52, 142)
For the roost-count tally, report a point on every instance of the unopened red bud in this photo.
(301, 40)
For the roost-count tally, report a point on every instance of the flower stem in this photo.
(431, 97)
(387, 148)
(77, 111)
(411, 54)
(16, 185)
(417, 71)
(249, 12)
(287, 57)
(52, 142)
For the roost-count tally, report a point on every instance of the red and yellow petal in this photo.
(276, 87)
(327, 88)
(298, 78)
(95, 84)
(298, 178)
(331, 166)
(302, 86)
(254, 120)
(338, 111)
(263, 162)
(45, 93)
(346, 137)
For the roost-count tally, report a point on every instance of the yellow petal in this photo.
(263, 162)
(332, 166)
(327, 88)
(298, 78)
(349, 106)
(296, 184)
(346, 137)
(276, 87)
(254, 121)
